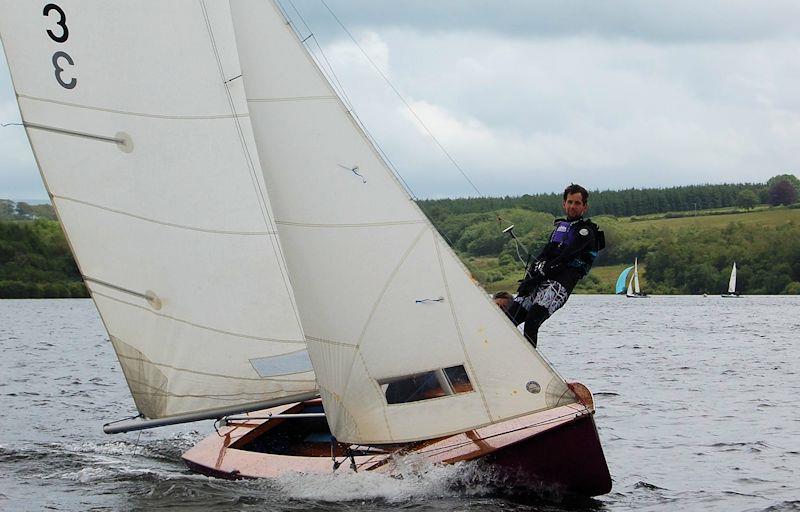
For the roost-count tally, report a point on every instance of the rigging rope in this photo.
(403, 100)
(333, 79)
(394, 89)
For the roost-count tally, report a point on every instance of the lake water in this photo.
(697, 408)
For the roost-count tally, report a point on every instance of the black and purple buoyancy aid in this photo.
(563, 234)
(577, 242)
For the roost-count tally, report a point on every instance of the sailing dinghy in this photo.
(619, 288)
(732, 293)
(248, 249)
(634, 291)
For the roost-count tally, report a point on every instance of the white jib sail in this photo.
(636, 276)
(630, 286)
(141, 132)
(732, 281)
(381, 296)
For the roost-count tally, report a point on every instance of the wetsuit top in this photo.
(571, 250)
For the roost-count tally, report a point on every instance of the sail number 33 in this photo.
(59, 35)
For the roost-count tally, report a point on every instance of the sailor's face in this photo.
(574, 206)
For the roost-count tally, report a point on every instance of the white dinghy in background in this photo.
(732, 293)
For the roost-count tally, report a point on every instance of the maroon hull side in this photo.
(556, 450)
(568, 458)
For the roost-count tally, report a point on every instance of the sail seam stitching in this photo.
(330, 342)
(259, 186)
(372, 313)
(386, 285)
(130, 113)
(458, 327)
(290, 99)
(209, 374)
(354, 225)
(216, 396)
(203, 327)
(163, 223)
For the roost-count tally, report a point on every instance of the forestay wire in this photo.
(328, 70)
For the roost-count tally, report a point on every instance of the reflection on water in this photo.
(695, 404)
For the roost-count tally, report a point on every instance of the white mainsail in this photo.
(636, 276)
(732, 281)
(380, 294)
(142, 136)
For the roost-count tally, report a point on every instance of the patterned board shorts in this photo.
(551, 295)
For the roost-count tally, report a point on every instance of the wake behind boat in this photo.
(248, 248)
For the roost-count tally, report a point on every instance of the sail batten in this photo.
(363, 259)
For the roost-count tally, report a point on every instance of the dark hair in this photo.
(503, 295)
(574, 189)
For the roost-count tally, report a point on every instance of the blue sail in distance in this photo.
(622, 280)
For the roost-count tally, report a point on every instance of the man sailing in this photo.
(567, 257)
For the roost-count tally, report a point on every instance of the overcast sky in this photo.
(529, 96)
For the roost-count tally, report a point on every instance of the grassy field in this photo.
(716, 219)
(607, 275)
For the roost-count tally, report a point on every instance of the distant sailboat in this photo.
(634, 291)
(619, 288)
(732, 284)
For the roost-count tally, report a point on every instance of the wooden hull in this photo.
(556, 450)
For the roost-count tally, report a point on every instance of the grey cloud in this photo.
(525, 115)
(664, 21)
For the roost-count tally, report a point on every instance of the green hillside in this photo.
(720, 218)
(679, 252)
(691, 254)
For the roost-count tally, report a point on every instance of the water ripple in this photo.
(695, 409)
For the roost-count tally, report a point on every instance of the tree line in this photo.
(10, 210)
(35, 262)
(699, 261)
(780, 189)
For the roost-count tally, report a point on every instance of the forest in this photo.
(35, 261)
(686, 239)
